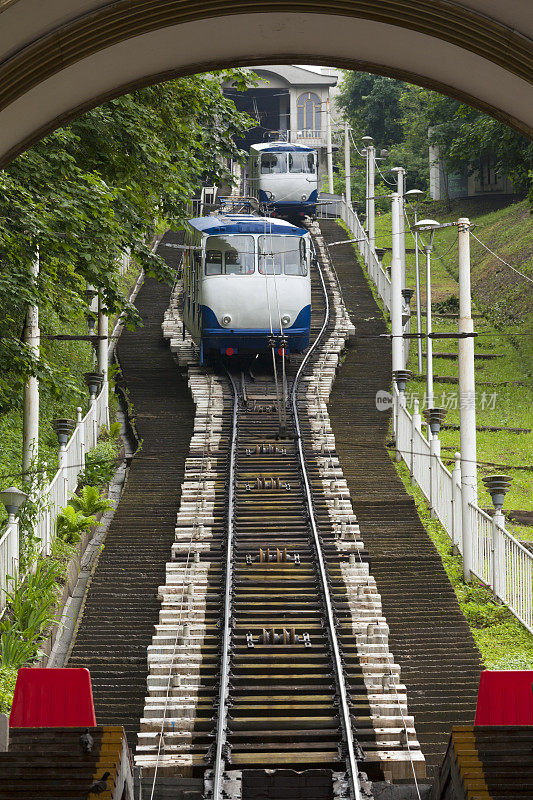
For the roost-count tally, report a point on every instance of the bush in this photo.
(8, 678)
(89, 501)
(71, 524)
(100, 464)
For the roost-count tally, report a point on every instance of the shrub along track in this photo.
(429, 636)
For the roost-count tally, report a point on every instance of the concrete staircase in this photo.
(122, 607)
(49, 764)
(487, 763)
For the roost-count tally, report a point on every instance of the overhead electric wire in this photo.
(527, 278)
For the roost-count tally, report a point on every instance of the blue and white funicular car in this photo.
(247, 284)
(283, 177)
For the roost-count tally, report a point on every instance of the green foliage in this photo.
(71, 523)
(90, 190)
(89, 501)
(8, 678)
(448, 306)
(100, 464)
(399, 115)
(29, 614)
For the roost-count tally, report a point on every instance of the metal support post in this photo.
(371, 151)
(418, 301)
(456, 504)
(401, 189)
(400, 177)
(498, 519)
(429, 329)
(103, 330)
(30, 414)
(434, 449)
(347, 166)
(416, 425)
(329, 150)
(396, 290)
(467, 397)
(79, 424)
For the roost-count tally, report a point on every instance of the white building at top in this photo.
(290, 103)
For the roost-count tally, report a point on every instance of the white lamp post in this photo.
(415, 195)
(430, 225)
(370, 190)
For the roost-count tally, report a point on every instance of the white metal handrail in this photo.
(54, 496)
(499, 560)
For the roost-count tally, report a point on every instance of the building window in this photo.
(309, 112)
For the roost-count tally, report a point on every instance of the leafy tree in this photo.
(405, 118)
(93, 188)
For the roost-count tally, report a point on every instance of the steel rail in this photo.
(353, 770)
(221, 732)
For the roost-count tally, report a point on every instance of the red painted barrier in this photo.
(505, 698)
(52, 698)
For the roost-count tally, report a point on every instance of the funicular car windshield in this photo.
(229, 255)
(273, 163)
(302, 162)
(282, 254)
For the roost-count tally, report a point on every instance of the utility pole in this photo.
(329, 147)
(103, 330)
(467, 396)
(396, 290)
(347, 166)
(370, 153)
(400, 176)
(416, 194)
(371, 197)
(30, 414)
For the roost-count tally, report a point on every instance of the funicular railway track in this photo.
(283, 700)
(260, 662)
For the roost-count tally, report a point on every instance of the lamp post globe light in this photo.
(413, 197)
(13, 499)
(430, 225)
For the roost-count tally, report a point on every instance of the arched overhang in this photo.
(60, 58)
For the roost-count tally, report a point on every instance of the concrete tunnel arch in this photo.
(59, 59)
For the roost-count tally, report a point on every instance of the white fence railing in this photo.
(499, 560)
(55, 496)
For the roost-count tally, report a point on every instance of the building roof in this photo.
(244, 223)
(281, 147)
(298, 76)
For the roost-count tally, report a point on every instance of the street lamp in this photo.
(13, 499)
(415, 196)
(430, 225)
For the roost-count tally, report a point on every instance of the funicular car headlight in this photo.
(226, 319)
(285, 319)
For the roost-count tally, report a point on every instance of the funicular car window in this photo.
(302, 162)
(273, 163)
(279, 254)
(229, 255)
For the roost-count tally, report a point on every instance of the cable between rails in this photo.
(353, 770)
